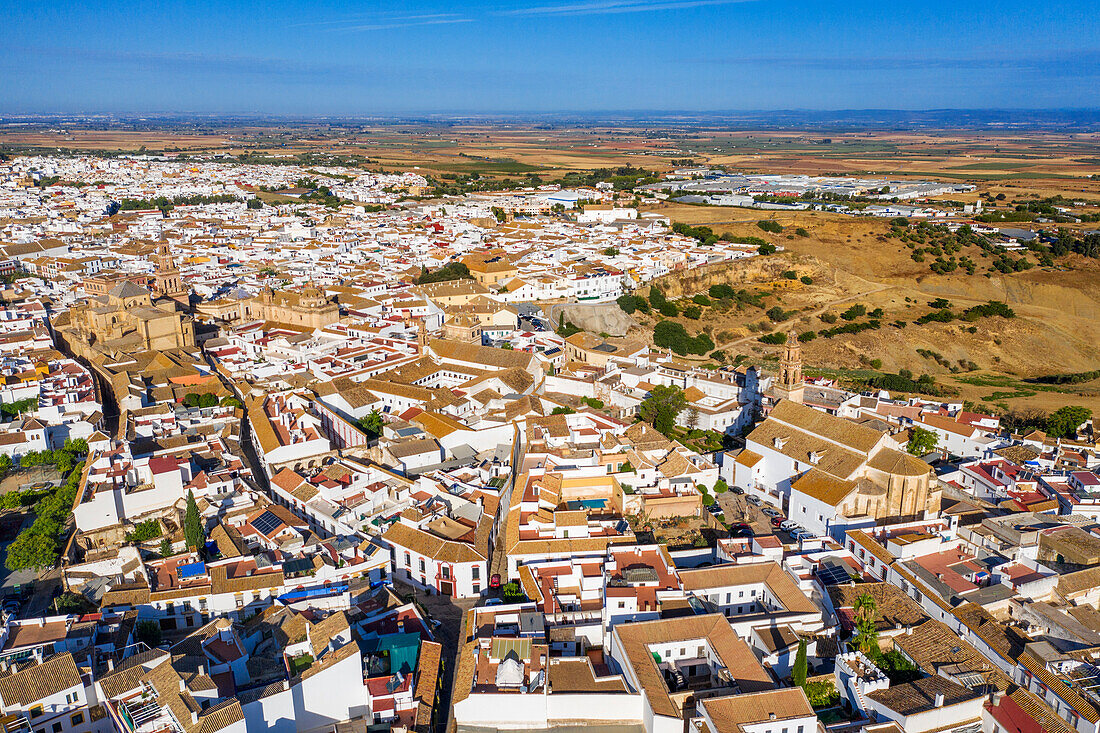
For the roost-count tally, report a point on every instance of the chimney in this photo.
(202, 669)
(194, 717)
(939, 699)
(182, 685)
(110, 664)
(771, 716)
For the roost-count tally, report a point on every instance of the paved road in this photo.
(451, 615)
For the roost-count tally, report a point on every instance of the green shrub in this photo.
(143, 531)
(854, 312)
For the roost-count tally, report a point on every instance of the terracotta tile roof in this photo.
(429, 545)
(1080, 705)
(933, 647)
(871, 545)
(1009, 643)
(893, 605)
(919, 696)
(823, 487)
(31, 684)
(636, 638)
(427, 669)
(738, 713)
(781, 585)
(324, 630)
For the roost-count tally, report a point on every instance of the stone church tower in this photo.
(789, 385)
(166, 278)
(422, 338)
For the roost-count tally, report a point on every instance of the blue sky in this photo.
(362, 58)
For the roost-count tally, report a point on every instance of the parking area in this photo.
(738, 509)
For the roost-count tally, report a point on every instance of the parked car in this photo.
(494, 582)
(741, 530)
(714, 509)
(754, 500)
(788, 525)
(494, 602)
(772, 511)
(776, 521)
(738, 490)
(801, 534)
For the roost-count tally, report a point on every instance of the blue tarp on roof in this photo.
(191, 570)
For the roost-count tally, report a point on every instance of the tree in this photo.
(5, 463)
(166, 547)
(32, 551)
(230, 401)
(1064, 421)
(193, 531)
(78, 447)
(866, 611)
(922, 441)
(720, 486)
(692, 420)
(662, 407)
(371, 424)
(149, 633)
(801, 665)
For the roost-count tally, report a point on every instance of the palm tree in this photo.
(866, 608)
(866, 611)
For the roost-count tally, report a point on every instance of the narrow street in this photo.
(451, 615)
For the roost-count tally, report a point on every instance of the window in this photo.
(475, 572)
(477, 588)
(36, 712)
(741, 594)
(77, 719)
(408, 560)
(446, 572)
(422, 565)
(57, 727)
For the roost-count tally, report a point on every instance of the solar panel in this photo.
(832, 574)
(266, 523)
